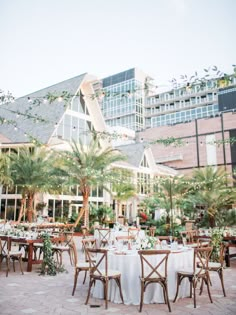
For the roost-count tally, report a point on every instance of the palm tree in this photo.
(213, 191)
(5, 176)
(90, 166)
(170, 196)
(33, 170)
(122, 191)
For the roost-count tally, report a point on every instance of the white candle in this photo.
(137, 221)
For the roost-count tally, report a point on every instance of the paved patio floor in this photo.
(39, 295)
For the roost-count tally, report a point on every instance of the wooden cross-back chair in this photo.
(190, 236)
(6, 252)
(88, 243)
(79, 266)
(133, 231)
(63, 245)
(99, 271)
(154, 273)
(199, 272)
(218, 266)
(152, 231)
(103, 236)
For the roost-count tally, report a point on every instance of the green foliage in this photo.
(34, 170)
(216, 240)
(89, 166)
(226, 217)
(211, 190)
(169, 141)
(101, 213)
(49, 266)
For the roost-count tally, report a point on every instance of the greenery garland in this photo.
(49, 265)
(216, 241)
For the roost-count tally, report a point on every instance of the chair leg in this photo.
(201, 287)
(209, 278)
(106, 293)
(13, 263)
(119, 286)
(8, 265)
(75, 281)
(165, 288)
(220, 273)
(91, 281)
(208, 288)
(194, 284)
(177, 288)
(85, 275)
(141, 297)
(21, 267)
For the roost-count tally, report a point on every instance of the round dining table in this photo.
(128, 263)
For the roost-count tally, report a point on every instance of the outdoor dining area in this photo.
(123, 265)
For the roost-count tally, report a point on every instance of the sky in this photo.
(44, 42)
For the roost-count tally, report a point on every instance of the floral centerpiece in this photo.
(146, 243)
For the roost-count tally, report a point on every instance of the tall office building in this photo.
(128, 99)
(187, 103)
(123, 98)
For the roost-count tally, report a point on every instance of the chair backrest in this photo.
(152, 231)
(74, 252)
(190, 235)
(103, 235)
(218, 253)
(201, 242)
(201, 259)
(125, 239)
(88, 243)
(98, 267)
(158, 269)
(132, 231)
(4, 246)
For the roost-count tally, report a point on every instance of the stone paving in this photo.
(39, 295)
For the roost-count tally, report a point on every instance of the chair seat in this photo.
(110, 273)
(63, 248)
(154, 276)
(190, 271)
(214, 265)
(82, 265)
(15, 253)
(38, 244)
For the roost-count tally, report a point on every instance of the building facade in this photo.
(123, 99)
(54, 117)
(187, 103)
(199, 143)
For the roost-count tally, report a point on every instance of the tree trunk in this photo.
(21, 213)
(86, 207)
(211, 215)
(80, 215)
(30, 209)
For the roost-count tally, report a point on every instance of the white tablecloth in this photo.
(130, 267)
(115, 233)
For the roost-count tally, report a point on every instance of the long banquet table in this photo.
(30, 242)
(129, 265)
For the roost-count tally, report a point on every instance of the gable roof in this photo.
(134, 152)
(44, 116)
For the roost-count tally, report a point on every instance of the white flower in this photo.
(146, 243)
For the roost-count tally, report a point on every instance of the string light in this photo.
(66, 96)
